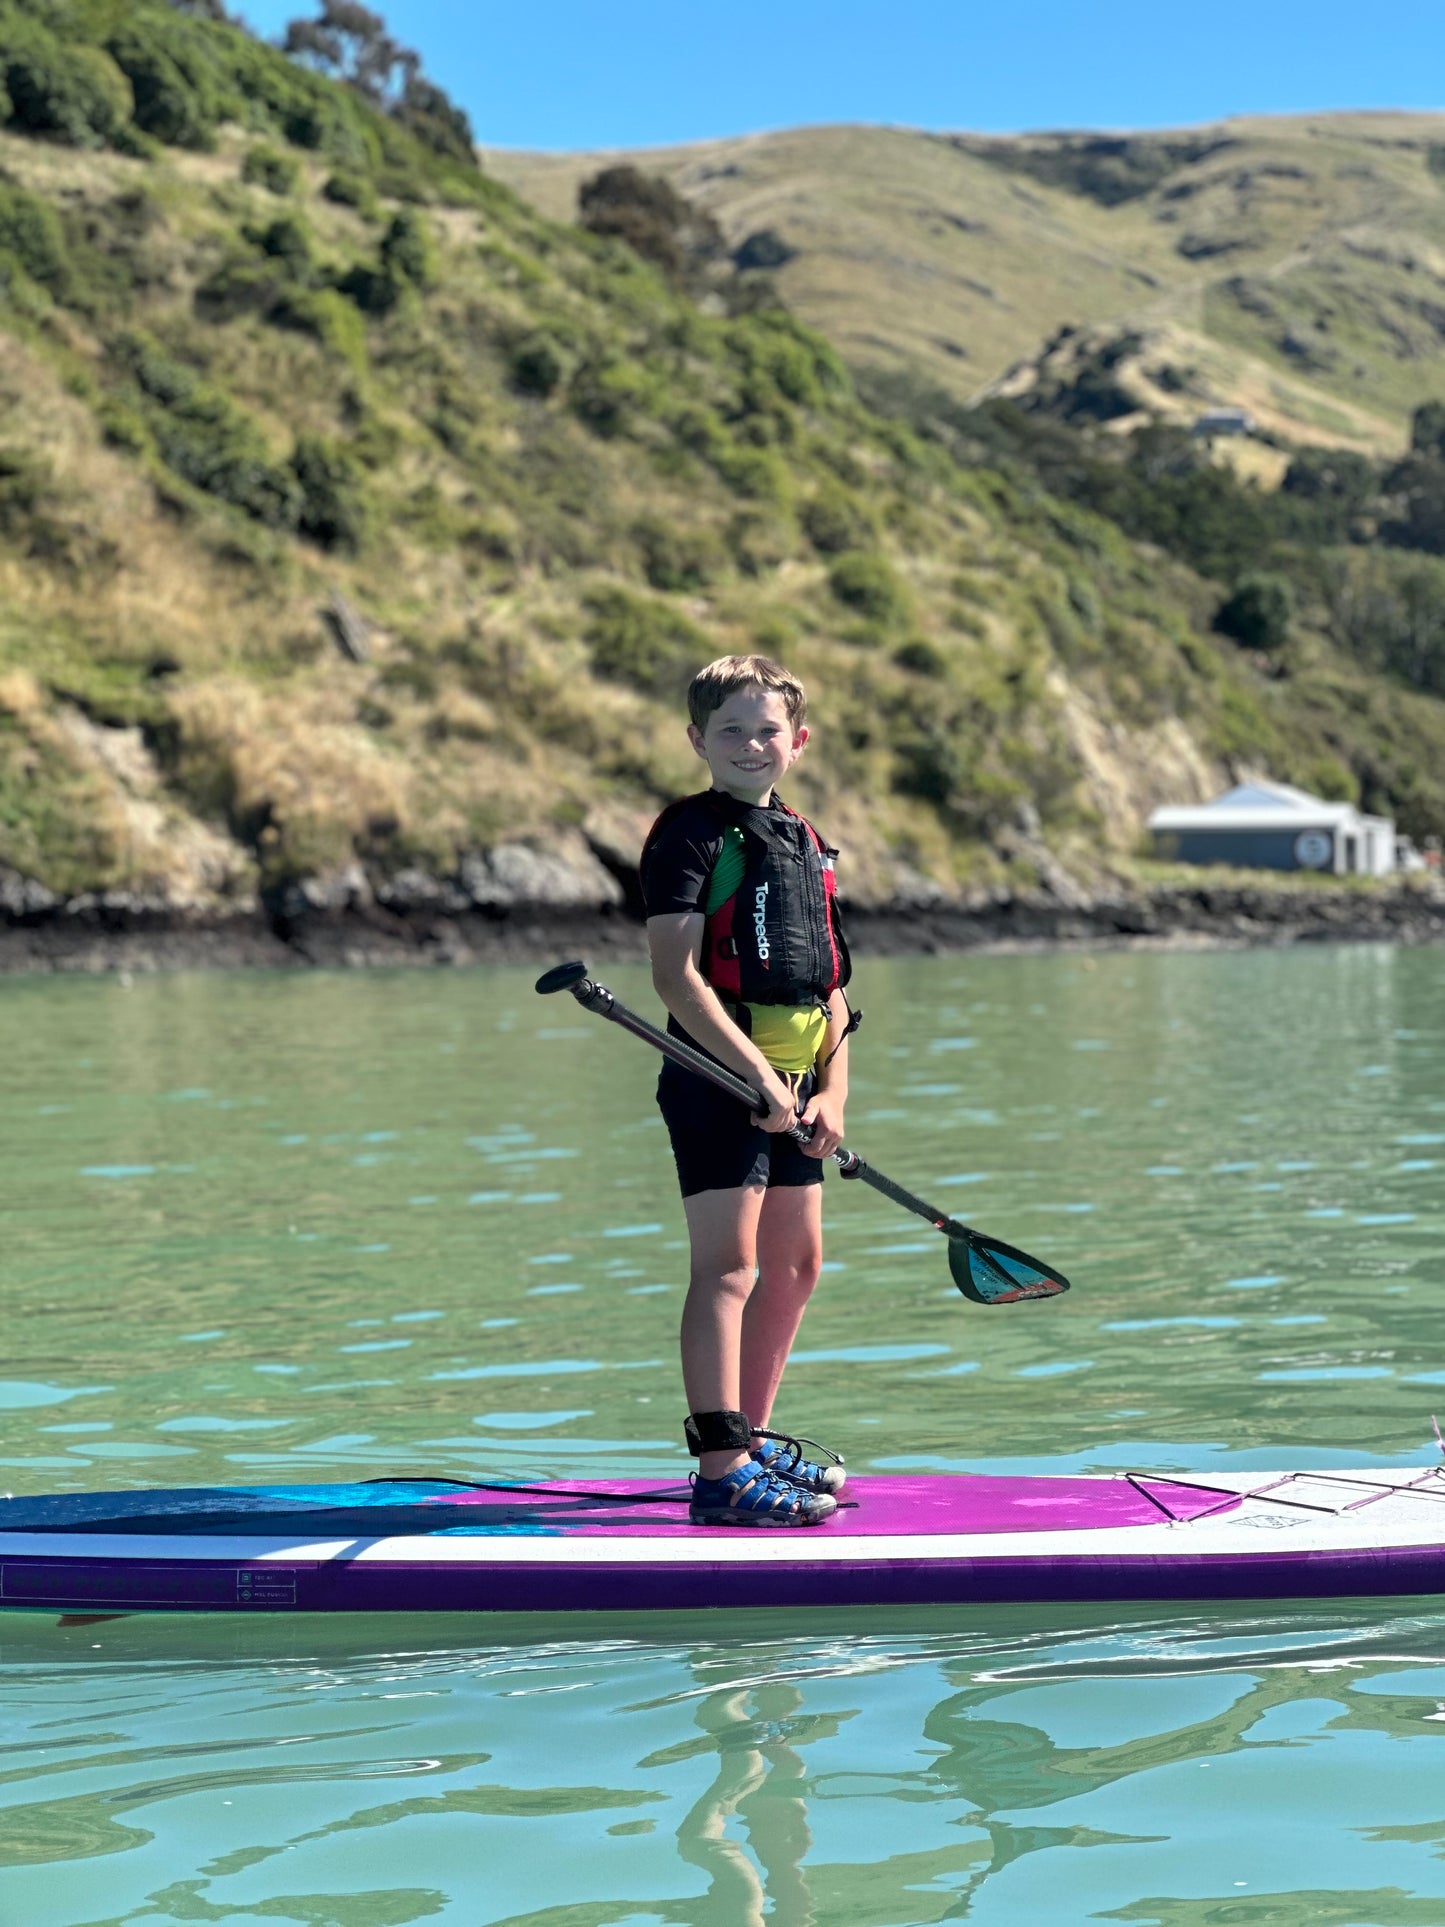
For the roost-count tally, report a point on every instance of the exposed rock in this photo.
(122, 753)
(22, 898)
(334, 893)
(617, 832)
(1130, 771)
(563, 875)
(414, 890)
(173, 858)
(127, 930)
(349, 629)
(910, 889)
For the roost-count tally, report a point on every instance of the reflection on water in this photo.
(331, 1227)
(1084, 1766)
(748, 1832)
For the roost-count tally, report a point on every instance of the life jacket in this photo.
(772, 933)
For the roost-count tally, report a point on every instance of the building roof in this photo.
(1266, 806)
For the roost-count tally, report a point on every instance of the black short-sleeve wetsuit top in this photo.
(676, 868)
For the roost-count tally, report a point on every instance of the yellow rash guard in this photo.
(789, 1035)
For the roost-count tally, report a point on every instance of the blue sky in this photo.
(629, 73)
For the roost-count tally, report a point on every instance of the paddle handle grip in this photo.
(962, 1238)
(597, 997)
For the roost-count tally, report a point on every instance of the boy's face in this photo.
(749, 744)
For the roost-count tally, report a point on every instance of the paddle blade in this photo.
(992, 1273)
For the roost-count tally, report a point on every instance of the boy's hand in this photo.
(778, 1096)
(824, 1111)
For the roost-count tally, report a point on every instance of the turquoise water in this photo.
(327, 1227)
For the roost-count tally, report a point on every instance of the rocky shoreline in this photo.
(510, 912)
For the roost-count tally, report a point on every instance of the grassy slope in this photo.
(1298, 268)
(543, 570)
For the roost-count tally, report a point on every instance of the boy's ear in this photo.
(800, 736)
(694, 736)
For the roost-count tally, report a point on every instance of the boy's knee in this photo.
(800, 1271)
(736, 1283)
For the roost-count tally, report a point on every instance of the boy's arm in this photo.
(824, 1109)
(675, 941)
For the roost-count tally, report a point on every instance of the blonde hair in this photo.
(710, 688)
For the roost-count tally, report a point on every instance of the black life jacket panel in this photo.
(772, 933)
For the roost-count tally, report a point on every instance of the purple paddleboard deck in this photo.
(626, 1545)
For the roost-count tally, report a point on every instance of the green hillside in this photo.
(264, 345)
(1292, 266)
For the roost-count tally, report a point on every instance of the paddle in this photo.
(984, 1269)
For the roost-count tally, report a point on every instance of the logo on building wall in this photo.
(1314, 849)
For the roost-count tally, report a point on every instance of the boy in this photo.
(748, 958)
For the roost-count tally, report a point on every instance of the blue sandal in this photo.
(751, 1495)
(783, 1457)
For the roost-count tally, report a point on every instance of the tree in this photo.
(350, 43)
(1259, 613)
(649, 214)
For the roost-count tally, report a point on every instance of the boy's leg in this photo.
(722, 1228)
(789, 1246)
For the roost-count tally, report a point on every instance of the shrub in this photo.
(66, 93)
(287, 242)
(123, 427)
(1084, 601)
(608, 396)
(799, 363)
(268, 167)
(328, 317)
(766, 249)
(929, 766)
(332, 509)
(324, 122)
(30, 231)
(923, 657)
(345, 189)
(646, 644)
(539, 365)
(71, 93)
(865, 582)
(1259, 613)
(204, 438)
(175, 106)
(240, 287)
(834, 522)
(776, 634)
(407, 252)
(1427, 428)
(677, 559)
(374, 290)
(758, 541)
(755, 473)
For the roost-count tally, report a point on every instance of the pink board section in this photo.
(868, 1507)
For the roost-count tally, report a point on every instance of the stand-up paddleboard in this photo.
(419, 1546)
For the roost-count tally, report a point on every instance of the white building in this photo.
(1270, 826)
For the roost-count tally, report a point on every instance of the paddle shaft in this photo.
(597, 997)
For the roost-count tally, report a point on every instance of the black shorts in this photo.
(717, 1144)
